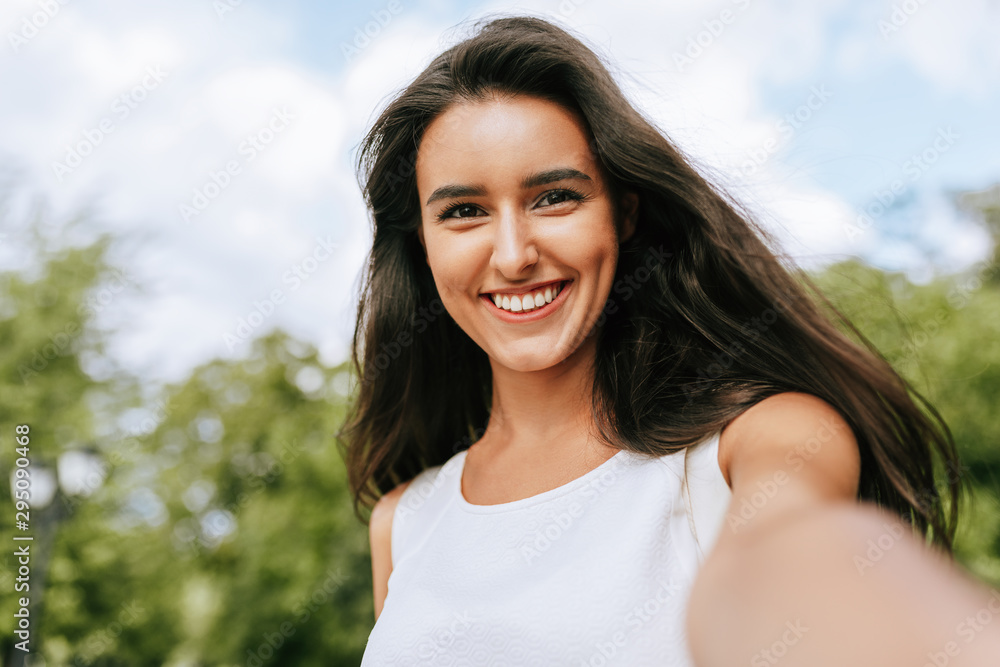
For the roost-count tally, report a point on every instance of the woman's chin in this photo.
(531, 356)
(525, 358)
(520, 363)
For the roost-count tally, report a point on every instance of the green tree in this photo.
(943, 337)
(275, 565)
(218, 528)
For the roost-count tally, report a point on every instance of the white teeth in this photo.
(527, 302)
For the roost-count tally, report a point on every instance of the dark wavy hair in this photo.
(686, 342)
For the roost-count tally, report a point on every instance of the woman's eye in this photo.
(462, 211)
(558, 197)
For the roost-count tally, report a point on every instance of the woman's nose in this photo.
(514, 250)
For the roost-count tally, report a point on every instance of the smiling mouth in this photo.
(527, 302)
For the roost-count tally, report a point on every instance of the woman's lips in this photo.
(527, 300)
(557, 293)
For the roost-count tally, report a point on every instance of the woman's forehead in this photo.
(512, 136)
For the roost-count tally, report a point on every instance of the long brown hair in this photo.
(702, 323)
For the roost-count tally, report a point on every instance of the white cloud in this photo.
(954, 44)
(216, 89)
(226, 79)
(698, 69)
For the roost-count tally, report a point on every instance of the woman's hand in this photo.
(839, 584)
(803, 574)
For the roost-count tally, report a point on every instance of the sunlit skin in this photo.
(512, 197)
(796, 562)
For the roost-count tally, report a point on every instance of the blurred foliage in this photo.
(223, 533)
(985, 205)
(944, 338)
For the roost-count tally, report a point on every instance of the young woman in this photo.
(587, 384)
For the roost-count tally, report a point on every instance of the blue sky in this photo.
(182, 90)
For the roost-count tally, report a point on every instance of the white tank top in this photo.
(594, 572)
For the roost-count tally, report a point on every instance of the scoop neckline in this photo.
(542, 497)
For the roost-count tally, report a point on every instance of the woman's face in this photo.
(518, 227)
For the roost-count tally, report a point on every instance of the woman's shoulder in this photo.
(792, 432)
(380, 522)
(386, 506)
(703, 453)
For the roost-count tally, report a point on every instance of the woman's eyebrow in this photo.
(532, 181)
(553, 175)
(455, 191)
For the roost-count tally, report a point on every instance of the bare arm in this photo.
(380, 539)
(813, 577)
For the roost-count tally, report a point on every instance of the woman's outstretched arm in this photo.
(801, 574)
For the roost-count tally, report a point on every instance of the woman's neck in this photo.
(543, 412)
